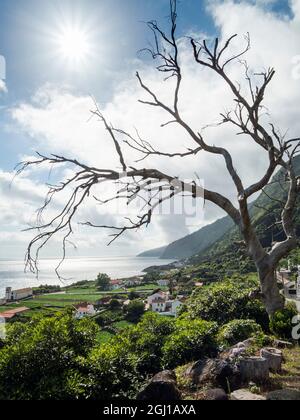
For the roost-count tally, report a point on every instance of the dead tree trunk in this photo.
(274, 301)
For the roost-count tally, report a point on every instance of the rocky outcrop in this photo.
(162, 387)
(284, 395)
(245, 395)
(274, 358)
(215, 373)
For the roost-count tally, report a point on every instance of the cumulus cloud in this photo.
(58, 119)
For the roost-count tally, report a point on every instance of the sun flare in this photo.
(74, 44)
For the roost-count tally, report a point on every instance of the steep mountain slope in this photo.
(198, 241)
(265, 212)
(219, 238)
(153, 253)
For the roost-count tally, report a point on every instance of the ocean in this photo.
(74, 269)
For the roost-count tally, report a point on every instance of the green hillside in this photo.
(227, 252)
(218, 242)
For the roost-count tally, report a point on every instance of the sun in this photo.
(74, 44)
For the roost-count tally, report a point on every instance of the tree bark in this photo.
(272, 298)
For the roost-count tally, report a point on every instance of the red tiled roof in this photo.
(12, 312)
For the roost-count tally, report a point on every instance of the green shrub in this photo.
(135, 310)
(227, 301)
(191, 340)
(111, 372)
(281, 323)
(39, 357)
(147, 340)
(238, 330)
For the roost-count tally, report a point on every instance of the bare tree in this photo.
(246, 117)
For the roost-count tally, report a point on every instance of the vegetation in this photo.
(281, 323)
(103, 282)
(135, 310)
(58, 357)
(237, 331)
(190, 340)
(226, 301)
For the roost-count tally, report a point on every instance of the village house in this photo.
(134, 281)
(85, 310)
(116, 284)
(12, 313)
(161, 303)
(159, 294)
(283, 275)
(163, 282)
(15, 295)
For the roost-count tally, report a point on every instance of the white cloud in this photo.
(3, 87)
(57, 118)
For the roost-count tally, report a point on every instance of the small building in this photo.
(115, 284)
(85, 310)
(161, 303)
(163, 282)
(15, 295)
(134, 281)
(12, 313)
(159, 294)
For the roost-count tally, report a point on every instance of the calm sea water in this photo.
(74, 269)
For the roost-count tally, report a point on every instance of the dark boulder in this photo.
(216, 373)
(217, 394)
(162, 387)
(284, 395)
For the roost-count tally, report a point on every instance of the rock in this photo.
(274, 358)
(216, 373)
(201, 372)
(254, 369)
(237, 352)
(283, 344)
(245, 395)
(162, 387)
(284, 395)
(217, 394)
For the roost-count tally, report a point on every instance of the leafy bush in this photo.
(191, 340)
(35, 365)
(281, 323)
(111, 372)
(227, 301)
(237, 331)
(147, 340)
(135, 310)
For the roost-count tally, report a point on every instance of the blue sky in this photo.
(118, 32)
(28, 40)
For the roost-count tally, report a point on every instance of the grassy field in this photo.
(51, 303)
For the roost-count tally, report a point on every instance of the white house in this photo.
(116, 284)
(158, 295)
(84, 311)
(14, 295)
(163, 282)
(161, 304)
(135, 281)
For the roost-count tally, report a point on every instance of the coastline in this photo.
(74, 270)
